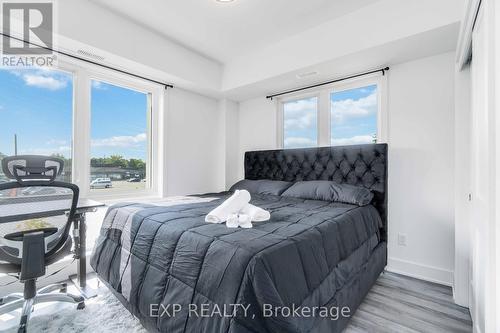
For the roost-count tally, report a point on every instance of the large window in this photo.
(119, 138)
(344, 113)
(300, 123)
(354, 116)
(102, 123)
(36, 114)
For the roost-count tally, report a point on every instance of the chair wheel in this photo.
(80, 306)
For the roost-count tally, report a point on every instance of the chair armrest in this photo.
(19, 235)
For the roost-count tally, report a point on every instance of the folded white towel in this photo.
(233, 221)
(256, 214)
(232, 205)
(244, 221)
(239, 220)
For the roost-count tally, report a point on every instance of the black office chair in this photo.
(36, 212)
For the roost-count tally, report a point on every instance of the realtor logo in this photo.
(33, 22)
(27, 33)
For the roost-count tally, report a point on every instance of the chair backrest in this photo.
(35, 201)
(32, 167)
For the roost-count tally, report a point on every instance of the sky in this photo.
(353, 115)
(118, 121)
(36, 104)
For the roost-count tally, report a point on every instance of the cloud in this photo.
(43, 78)
(46, 82)
(57, 142)
(346, 109)
(64, 150)
(299, 142)
(301, 114)
(120, 141)
(98, 85)
(359, 139)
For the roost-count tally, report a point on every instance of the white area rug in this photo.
(103, 313)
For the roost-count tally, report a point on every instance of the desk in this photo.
(80, 234)
(15, 209)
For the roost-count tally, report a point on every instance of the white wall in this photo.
(195, 144)
(257, 128)
(421, 167)
(421, 162)
(229, 111)
(495, 247)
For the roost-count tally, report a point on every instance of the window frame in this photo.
(324, 107)
(83, 74)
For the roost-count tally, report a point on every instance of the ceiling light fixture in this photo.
(224, 1)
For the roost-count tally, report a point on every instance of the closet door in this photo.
(482, 174)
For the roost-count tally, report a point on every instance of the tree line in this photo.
(117, 161)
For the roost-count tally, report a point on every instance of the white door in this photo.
(482, 175)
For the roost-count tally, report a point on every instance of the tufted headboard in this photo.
(362, 165)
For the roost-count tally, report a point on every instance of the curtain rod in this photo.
(89, 61)
(383, 70)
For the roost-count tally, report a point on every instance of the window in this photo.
(300, 123)
(342, 113)
(119, 138)
(354, 116)
(36, 115)
(102, 123)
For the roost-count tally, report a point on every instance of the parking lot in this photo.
(121, 186)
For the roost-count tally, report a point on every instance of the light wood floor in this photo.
(395, 304)
(402, 304)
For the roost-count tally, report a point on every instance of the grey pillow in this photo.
(330, 191)
(262, 186)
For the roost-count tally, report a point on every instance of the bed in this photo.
(294, 273)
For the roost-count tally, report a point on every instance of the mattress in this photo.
(311, 254)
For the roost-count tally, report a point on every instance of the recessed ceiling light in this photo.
(224, 1)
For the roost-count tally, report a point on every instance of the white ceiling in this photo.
(428, 43)
(224, 31)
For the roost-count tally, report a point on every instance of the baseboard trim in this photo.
(420, 271)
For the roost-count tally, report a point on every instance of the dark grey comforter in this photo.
(311, 254)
